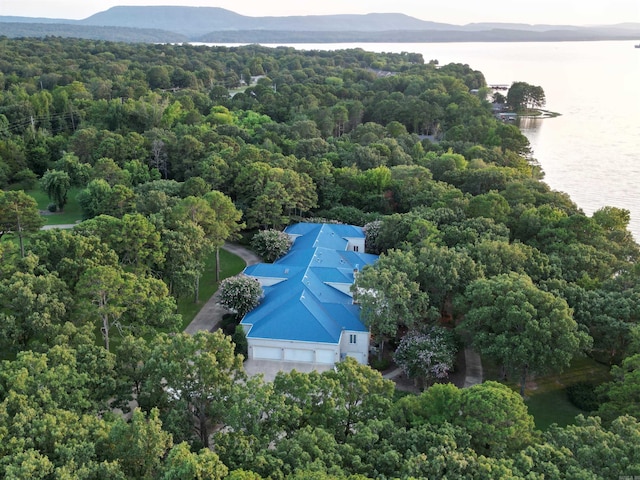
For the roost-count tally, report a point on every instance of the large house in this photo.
(307, 313)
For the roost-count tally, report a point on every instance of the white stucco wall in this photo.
(358, 350)
(355, 244)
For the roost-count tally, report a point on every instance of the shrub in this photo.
(371, 231)
(52, 207)
(228, 323)
(583, 395)
(240, 340)
(380, 364)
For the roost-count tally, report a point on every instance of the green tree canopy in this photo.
(192, 378)
(622, 395)
(389, 295)
(520, 326)
(522, 96)
(18, 215)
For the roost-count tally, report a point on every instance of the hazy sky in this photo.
(572, 12)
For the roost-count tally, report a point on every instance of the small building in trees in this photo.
(307, 314)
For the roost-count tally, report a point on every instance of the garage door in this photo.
(267, 353)
(298, 355)
(325, 356)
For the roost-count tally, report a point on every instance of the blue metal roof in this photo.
(272, 270)
(300, 318)
(306, 306)
(323, 235)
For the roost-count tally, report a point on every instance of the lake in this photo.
(591, 151)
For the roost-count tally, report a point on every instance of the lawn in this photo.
(229, 265)
(71, 214)
(546, 395)
(552, 407)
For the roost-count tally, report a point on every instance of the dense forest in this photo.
(171, 150)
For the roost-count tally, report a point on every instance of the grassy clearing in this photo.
(546, 395)
(72, 211)
(552, 407)
(233, 91)
(229, 265)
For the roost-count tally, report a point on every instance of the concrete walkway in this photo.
(211, 312)
(392, 374)
(473, 368)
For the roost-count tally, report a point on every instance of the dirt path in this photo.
(211, 312)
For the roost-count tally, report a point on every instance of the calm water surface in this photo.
(592, 151)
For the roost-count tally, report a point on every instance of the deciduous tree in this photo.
(183, 464)
(140, 445)
(389, 296)
(34, 304)
(193, 378)
(622, 395)
(131, 303)
(520, 326)
(19, 215)
(496, 418)
(56, 185)
(602, 452)
(522, 95)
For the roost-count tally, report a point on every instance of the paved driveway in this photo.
(211, 312)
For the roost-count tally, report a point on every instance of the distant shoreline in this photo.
(491, 36)
(539, 113)
(179, 24)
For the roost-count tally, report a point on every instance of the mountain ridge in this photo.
(177, 23)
